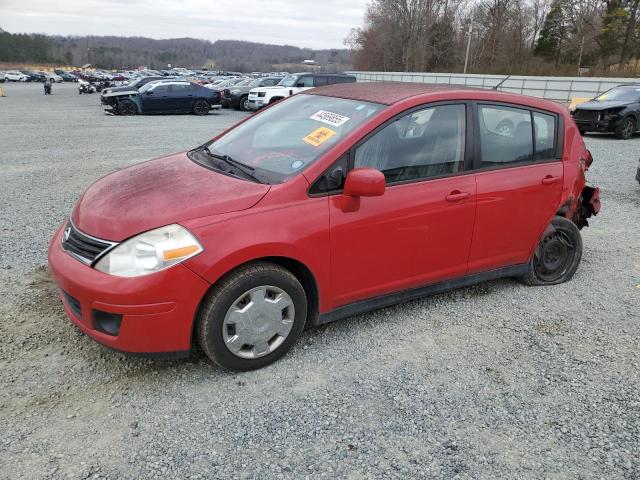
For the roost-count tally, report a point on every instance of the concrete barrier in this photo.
(559, 89)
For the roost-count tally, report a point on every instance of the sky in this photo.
(303, 23)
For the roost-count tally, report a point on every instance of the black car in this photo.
(66, 76)
(616, 110)
(172, 96)
(133, 84)
(237, 96)
(34, 76)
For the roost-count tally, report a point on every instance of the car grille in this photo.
(589, 115)
(73, 304)
(85, 248)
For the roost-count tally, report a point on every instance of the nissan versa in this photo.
(333, 202)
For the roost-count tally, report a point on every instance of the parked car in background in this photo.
(52, 77)
(616, 110)
(66, 76)
(34, 76)
(292, 84)
(16, 76)
(172, 96)
(133, 85)
(331, 203)
(237, 96)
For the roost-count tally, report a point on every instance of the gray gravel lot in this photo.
(493, 381)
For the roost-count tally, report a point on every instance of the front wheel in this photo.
(127, 107)
(626, 129)
(557, 255)
(252, 317)
(244, 104)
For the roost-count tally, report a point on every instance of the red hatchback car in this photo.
(340, 200)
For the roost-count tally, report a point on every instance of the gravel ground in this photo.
(493, 381)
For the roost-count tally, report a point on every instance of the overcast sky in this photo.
(303, 23)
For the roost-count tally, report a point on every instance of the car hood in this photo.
(160, 192)
(601, 105)
(264, 89)
(122, 92)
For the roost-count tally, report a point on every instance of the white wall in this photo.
(561, 89)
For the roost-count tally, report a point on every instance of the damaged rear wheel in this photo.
(557, 256)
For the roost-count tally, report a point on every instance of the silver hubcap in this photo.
(258, 322)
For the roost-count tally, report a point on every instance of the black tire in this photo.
(557, 255)
(275, 99)
(244, 103)
(626, 128)
(127, 107)
(216, 304)
(201, 107)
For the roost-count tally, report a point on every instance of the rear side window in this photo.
(545, 133)
(320, 81)
(506, 135)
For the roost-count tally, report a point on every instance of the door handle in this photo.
(457, 196)
(550, 180)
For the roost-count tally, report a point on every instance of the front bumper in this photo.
(157, 311)
(256, 103)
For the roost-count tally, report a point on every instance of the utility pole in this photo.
(580, 56)
(466, 57)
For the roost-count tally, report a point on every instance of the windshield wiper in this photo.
(245, 169)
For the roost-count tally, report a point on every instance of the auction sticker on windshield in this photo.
(330, 118)
(319, 136)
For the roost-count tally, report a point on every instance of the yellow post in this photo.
(2, 92)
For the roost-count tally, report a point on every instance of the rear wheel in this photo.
(252, 317)
(626, 129)
(557, 255)
(201, 107)
(127, 107)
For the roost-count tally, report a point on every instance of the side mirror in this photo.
(364, 182)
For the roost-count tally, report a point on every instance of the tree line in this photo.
(503, 36)
(130, 52)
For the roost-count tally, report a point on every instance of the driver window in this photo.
(305, 81)
(422, 144)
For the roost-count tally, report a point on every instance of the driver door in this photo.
(419, 231)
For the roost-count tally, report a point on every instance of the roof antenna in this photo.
(498, 85)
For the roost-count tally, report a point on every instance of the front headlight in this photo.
(150, 252)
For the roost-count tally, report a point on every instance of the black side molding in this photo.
(375, 303)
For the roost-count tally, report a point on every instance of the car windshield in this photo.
(255, 83)
(288, 81)
(149, 85)
(620, 94)
(291, 135)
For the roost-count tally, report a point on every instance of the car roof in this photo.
(389, 93)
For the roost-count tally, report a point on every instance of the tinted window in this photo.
(320, 81)
(422, 144)
(545, 132)
(305, 81)
(506, 135)
(161, 89)
(180, 89)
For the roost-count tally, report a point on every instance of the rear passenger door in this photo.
(519, 177)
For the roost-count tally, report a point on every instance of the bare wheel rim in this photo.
(628, 128)
(201, 107)
(554, 256)
(258, 322)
